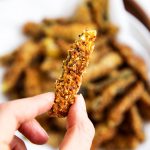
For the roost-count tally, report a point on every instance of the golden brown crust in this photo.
(109, 62)
(73, 68)
(115, 116)
(101, 102)
(136, 122)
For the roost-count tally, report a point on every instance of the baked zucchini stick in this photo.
(103, 67)
(103, 133)
(74, 66)
(136, 122)
(115, 115)
(27, 52)
(32, 82)
(138, 64)
(68, 31)
(102, 101)
(122, 142)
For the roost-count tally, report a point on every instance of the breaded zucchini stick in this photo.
(136, 122)
(122, 142)
(102, 133)
(33, 29)
(8, 59)
(115, 115)
(102, 101)
(144, 105)
(138, 64)
(27, 52)
(98, 54)
(73, 68)
(49, 46)
(69, 31)
(63, 46)
(32, 82)
(112, 77)
(82, 14)
(146, 98)
(103, 67)
(99, 11)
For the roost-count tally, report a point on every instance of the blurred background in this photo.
(35, 36)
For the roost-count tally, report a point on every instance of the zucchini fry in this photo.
(112, 77)
(69, 32)
(26, 54)
(99, 11)
(102, 101)
(50, 47)
(8, 59)
(64, 46)
(138, 64)
(122, 142)
(73, 68)
(144, 105)
(98, 54)
(103, 133)
(136, 122)
(109, 62)
(115, 115)
(82, 14)
(50, 64)
(32, 29)
(32, 82)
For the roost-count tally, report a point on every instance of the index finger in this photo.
(13, 114)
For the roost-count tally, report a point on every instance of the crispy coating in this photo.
(136, 122)
(102, 133)
(69, 32)
(99, 11)
(52, 67)
(122, 142)
(82, 14)
(33, 29)
(115, 115)
(144, 105)
(73, 68)
(8, 59)
(50, 47)
(64, 46)
(107, 64)
(133, 60)
(101, 102)
(26, 54)
(98, 54)
(146, 98)
(113, 76)
(32, 82)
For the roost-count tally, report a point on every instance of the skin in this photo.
(19, 115)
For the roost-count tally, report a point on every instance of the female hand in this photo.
(20, 114)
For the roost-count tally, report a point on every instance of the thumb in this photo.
(80, 130)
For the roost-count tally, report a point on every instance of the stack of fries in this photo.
(115, 85)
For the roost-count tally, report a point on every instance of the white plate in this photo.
(14, 13)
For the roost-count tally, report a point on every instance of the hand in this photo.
(20, 114)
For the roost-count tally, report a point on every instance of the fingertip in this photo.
(80, 103)
(77, 111)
